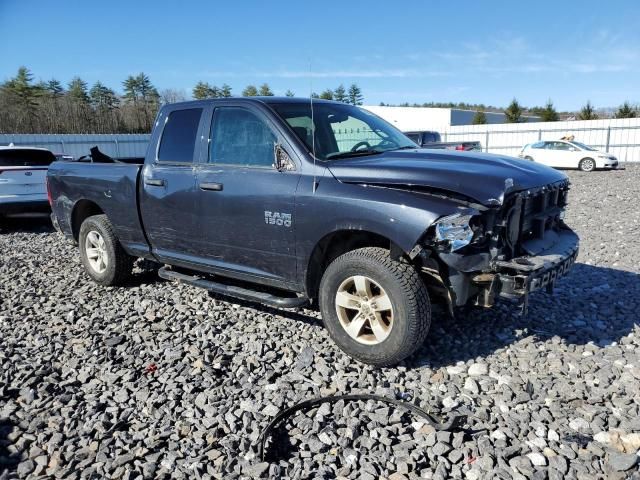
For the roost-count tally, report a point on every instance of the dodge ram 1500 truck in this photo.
(269, 200)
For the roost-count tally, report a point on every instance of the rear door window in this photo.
(239, 137)
(179, 135)
(24, 157)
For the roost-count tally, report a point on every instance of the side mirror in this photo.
(281, 159)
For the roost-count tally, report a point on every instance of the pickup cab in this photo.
(272, 200)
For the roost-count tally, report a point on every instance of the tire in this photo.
(587, 164)
(393, 283)
(529, 158)
(116, 262)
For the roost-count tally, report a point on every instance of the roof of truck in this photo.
(257, 99)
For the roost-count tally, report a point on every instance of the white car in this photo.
(23, 175)
(568, 154)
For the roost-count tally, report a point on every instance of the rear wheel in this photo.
(376, 309)
(103, 257)
(587, 165)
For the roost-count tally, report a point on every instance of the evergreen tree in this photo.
(143, 98)
(265, 90)
(588, 112)
(250, 91)
(102, 97)
(626, 111)
(340, 94)
(480, 118)
(225, 90)
(289, 93)
(315, 95)
(25, 95)
(54, 88)
(327, 94)
(77, 90)
(513, 113)
(355, 95)
(549, 113)
(203, 90)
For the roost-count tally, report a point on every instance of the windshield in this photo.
(341, 130)
(583, 146)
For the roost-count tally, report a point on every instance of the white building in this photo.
(427, 118)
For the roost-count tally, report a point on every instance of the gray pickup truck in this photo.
(432, 139)
(264, 199)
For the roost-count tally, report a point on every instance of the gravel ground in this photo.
(162, 380)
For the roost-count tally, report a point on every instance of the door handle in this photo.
(214, 187)
(154, 182)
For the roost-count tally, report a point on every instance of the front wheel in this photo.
(587, 165)
(376, 309)
(103, 257)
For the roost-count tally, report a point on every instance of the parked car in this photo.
(432, 139)
(372, 232)
(23, 173)
(568, 154)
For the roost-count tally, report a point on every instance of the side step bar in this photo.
(234, 291)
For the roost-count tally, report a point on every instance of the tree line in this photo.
(27, 106)
(516, 113)
(49, 107)
(353, 95)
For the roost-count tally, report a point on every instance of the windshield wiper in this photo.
(359, 153)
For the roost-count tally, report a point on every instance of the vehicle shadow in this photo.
(591, 305)
(38, 224)
(8, 460)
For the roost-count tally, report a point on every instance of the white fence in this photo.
(621, 137)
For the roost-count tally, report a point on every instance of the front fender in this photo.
(400, 216)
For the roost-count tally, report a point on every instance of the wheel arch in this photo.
(82, 210)
(336, 243)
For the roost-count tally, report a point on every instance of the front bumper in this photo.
(521, 276)
(517, 278)
(607, 163)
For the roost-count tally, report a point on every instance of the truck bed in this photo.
(110, 187)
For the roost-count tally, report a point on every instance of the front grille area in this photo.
(530, 214)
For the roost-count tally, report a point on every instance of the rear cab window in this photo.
(178, 141)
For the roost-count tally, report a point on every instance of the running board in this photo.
(234, 291)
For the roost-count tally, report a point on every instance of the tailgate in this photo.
(23, 180)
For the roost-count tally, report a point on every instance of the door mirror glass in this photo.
(281, 159)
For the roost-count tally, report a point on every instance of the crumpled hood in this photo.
(484, 177)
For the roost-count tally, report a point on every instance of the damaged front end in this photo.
(507, 250)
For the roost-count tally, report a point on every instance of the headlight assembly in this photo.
(455, 229)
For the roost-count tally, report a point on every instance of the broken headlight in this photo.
(455, 229)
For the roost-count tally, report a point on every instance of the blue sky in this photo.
(484, 52)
